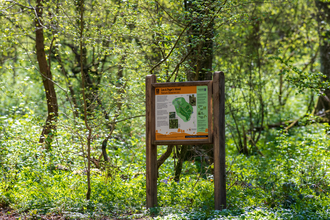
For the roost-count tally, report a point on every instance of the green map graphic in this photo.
(183, 108)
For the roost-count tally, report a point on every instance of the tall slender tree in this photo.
(47, 79)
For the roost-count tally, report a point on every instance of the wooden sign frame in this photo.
(216, 136)
(207, 83)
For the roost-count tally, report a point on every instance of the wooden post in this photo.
(151, 150)
(219, 140)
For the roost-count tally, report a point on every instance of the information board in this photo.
(181, 113)
(185, 113)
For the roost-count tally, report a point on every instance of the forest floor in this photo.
(10, 214)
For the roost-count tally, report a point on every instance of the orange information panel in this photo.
(181, 113)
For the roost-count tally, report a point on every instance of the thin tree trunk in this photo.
(181, 157)
(44, 68)
(83, 75)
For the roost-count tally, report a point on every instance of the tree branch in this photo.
(168, 55)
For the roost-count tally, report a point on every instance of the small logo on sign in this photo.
(157, 91)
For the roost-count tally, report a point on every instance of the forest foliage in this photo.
(72, 106)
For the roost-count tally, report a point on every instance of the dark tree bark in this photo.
(323, 18)
(44, 68)
(181, 153)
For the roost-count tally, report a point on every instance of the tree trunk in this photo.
(85, 100)
(44, 68)
(181, 156)
(323, 18)
(200, 60)
(200, 32)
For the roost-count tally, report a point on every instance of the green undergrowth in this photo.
(290, 180)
